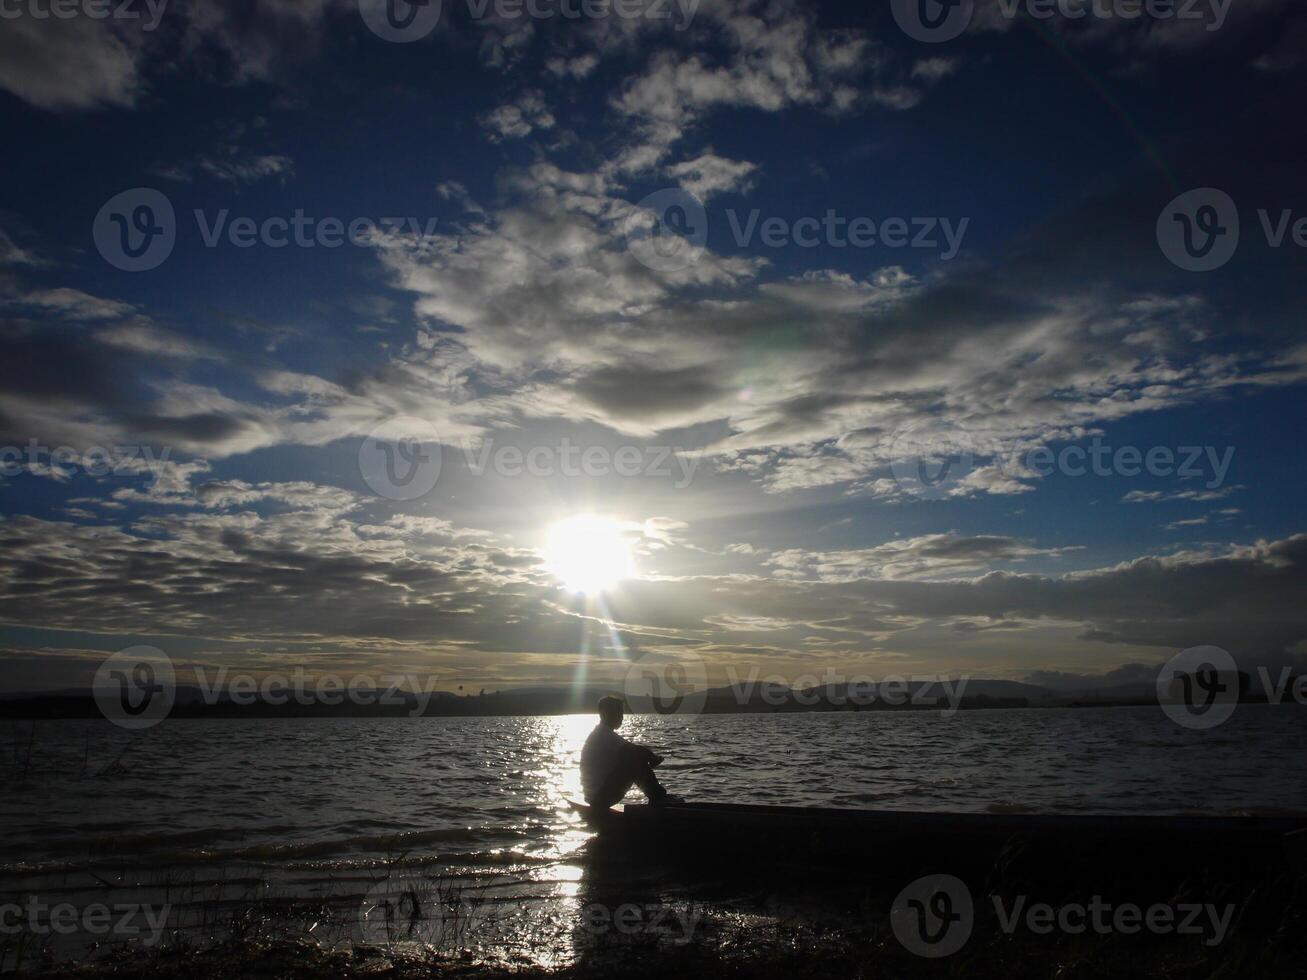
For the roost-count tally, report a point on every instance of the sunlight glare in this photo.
(588, 554)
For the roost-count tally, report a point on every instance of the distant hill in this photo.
(741, 698)
(190, 702)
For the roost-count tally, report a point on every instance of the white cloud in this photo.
(576, 68)
(235, 167)
(452, 190)
(12, 254)
(1161, 496)
(927, 556)
(709, 174)
(557, 314)
(143, 337)
(518, 119)
(73, 304)
(933, 69)
(775, 57)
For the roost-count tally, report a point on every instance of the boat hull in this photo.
(959, 842)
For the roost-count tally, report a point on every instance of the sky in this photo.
(889, 338)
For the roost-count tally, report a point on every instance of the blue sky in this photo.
(775, 394)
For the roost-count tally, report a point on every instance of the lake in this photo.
(213, 815)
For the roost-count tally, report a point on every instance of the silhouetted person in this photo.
(610, 765)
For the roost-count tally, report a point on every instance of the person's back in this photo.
(599, 757)
(610, 765)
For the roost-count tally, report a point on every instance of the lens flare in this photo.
(588, 554)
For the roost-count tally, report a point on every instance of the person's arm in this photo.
(648, 754)
(641, 752)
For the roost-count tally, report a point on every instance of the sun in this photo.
(588, 553)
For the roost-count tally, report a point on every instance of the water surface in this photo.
(215, 813)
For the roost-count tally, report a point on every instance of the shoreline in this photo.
(783, 952)
(740, 920)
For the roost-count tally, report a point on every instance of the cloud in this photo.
(708, 174)
(537, 309)
(516, 120)
(236, 168)
(1216, 517)
(933, 69)
(82, 63)
(926, 556)
(312, 570)
(577, 68)
(1243, 599)
(143, 337)
(12, 254)
(452, 190)
(1139, 39)
(72, 304)
(818, 377)
(776, 57)
(104, 388)
(766, 57)
(70, 64)
(1011, 358)
(48, 471)
(297, 495)
(292, 575)
(260, 42)
(1166, 496)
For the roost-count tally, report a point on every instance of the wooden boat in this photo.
(822, 835)
(734, 817)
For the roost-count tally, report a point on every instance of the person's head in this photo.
(611, 711)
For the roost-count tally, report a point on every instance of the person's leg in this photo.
(641, 762)
(613, 789)
(634, 768)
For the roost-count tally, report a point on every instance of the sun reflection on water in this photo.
(559, 776)
(557, 887)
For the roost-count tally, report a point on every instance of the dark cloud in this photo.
(63, 366)
(61, 63)
(639, 393)
(197, 429)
